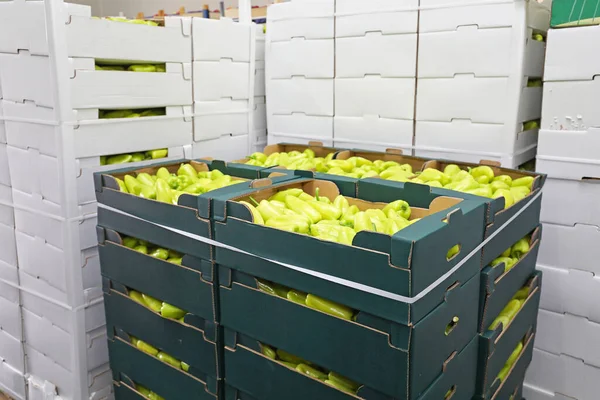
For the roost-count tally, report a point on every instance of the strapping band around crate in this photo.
(344, 282)
(341, 281)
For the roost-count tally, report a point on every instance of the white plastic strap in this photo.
(341, 281)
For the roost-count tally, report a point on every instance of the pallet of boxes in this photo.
(79, 94)
(244, 281)
(564, 364)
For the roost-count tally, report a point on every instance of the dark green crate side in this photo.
(273, 381)
(379, 306)
(498, 288)
(232, 393)
(417, 254)
(526, 222)
(159, 377)
(496, 215)
(190, 286)
(567, 13)
(459, 376)
(388, 357)
(496, 346)
(514, 381)
(197, 342)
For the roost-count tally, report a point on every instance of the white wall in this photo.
(130, 8)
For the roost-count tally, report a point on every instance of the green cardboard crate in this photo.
(496, 215)
(568, 13)
(195, 341)
(271, 380)
(183, 216)
(513, 384)
(129, 364)
(403, 264)
(387, 356)
(496, 346)
(498, 287)
(190, 286)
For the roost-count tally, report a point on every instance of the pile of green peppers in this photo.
(133, 157)
(131, 21)
(509, 312)
(294, 210)
(148, 393)
(309, 300)
(114, 114)
(307, 368)
(152, 250)
(167, 187)
(513, 254)
(132, 67)
(510, 362)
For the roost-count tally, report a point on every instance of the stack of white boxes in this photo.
(475, 62)
(224, 60)
(260, 94)
(566, 361)
(52, 97)
(375, 73)
(300, 71)
(12, 363)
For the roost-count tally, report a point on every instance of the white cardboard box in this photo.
(571, 291)
(214, 80)
(301, 57)
(390, 56)
(226, 147)
(482, 100)
(569, 202)
(23, 27)
(213, 119)
(497, 52)
(301, 126)
(448, 15)
(12, 382)
(214, 40)
(568, 334)
(275, 138)
(12, 351)
(563, 374)
(260, 88)
(260, 114)
(261, 39)
(27, 77)
(300, 95)
(535, 393)
(10, 311)
(4, 172)
(373, 95)
(464, 140)
(569, 105)
(357, 18)
(573, 247)
(569, 154)
(82, 384)
(563, 44)
(373, 133)
(310, 19)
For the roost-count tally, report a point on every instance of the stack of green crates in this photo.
(240, 341)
